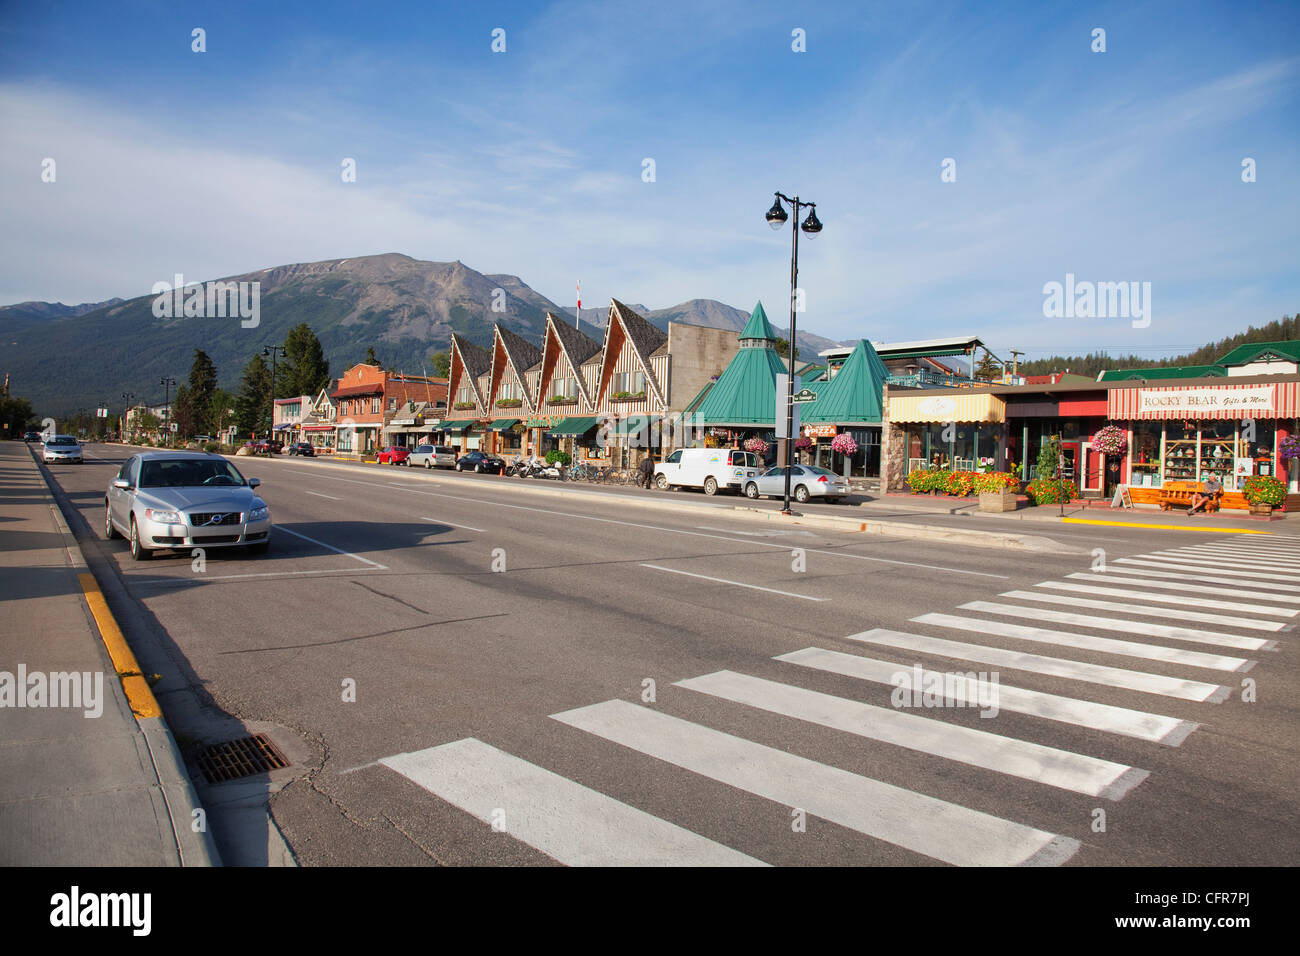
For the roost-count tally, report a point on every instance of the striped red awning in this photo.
(1205, 402)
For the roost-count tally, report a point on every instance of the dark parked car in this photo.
(32, 436)
(479, 462)
(303, 448)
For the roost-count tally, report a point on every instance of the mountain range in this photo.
(63, 358)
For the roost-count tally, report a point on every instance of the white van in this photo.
(707, 468)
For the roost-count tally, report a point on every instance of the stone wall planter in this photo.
(997, 501)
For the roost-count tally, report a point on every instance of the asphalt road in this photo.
(518, 661)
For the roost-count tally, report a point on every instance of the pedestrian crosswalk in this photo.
(1209, 595)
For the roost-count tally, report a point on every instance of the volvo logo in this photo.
(215, 519)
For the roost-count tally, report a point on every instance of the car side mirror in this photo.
(254, 482)
(121, 483)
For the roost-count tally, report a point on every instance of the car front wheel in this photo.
(138, 551)
(109, 531)
(751, 490)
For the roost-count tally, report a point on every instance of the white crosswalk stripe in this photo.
(1220, 571)
(1170, 731)
(565, 820)
(1105, 645)
(1175, 575)
(1178, 599)
(1106, 577)
(1121, 624)
(1229, 549)
(1215, 561)
(1053, 666)
(1018, 758)
(926, 825)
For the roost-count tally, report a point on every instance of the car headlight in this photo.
(162, 517)
(259, 514)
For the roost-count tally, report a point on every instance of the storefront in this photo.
(959, 431)
(1197, 432)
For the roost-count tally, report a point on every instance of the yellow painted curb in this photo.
(1162, 527)
(138, 694)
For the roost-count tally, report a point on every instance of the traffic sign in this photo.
(803, 396)
(175, 427)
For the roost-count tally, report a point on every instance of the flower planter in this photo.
(998, 501)
(1262, 510)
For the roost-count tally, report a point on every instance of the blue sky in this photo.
(1115, 166)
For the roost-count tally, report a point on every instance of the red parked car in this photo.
(394, 455)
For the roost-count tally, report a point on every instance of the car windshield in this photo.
(188, 473)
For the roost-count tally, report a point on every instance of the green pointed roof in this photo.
(745, 393)
(758, 327)
(853, 396)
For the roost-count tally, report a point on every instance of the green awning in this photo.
(633, 424)
(456, 426)
(573, 426)
(503, 424)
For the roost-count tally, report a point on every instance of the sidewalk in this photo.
(83, 780)
(1229, 520)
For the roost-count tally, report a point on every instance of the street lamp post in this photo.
(272, 350)
(127, 399)
(167, 383)
(776, 218)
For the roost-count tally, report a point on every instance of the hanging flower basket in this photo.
(1288, 447)
(844, 444)
(802, 444)
(756, 445)
(1111, 440)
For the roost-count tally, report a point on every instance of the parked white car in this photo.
(432, 456)
(806, 481)
(62, 448)
(707, 468)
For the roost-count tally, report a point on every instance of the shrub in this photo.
(960, 483)
(993, 481)
(558, 457)
(1050, 491)
(1264, 490)
(212, 446)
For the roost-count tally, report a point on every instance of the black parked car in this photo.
(479, 462)
(32, 436)
(302, 448)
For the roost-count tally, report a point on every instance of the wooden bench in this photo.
(1180, 493)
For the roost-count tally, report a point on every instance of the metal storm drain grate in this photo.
(240, 758)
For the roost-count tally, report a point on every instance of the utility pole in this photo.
(1015, 361)
(167, 384)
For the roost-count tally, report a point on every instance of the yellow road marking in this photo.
(138, 693)
(1162, 527)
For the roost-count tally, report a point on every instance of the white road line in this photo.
(349, 554)
(453, 524)
(697, 534)
(1169, 731)
(1218, 562)
(738, 584)
(1053, 666)
(190, 581)
(1185, 576)
(1244, 549)
(756, 534)
(1172, 631)
(1086, 642)
(319, 495)
(571, 823)
(1170, 613)
(978, 748)
(1223, 572)
(934, 828)
(1201, 589)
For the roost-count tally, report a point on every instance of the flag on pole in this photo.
(577, 316)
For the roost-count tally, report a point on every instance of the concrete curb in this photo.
(970, 537)
(174, 783)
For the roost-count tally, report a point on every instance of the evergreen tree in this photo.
(203, 383)
(370, 355)
(306, 370)
(253, 404)
(184, 413)
(783, 349)
(441, 362)
(989, 370)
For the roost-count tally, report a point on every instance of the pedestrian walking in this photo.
(648, 472)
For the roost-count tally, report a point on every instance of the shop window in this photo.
(1144, 467)
(376, 404)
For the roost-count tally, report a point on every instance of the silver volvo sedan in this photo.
(168, 499)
